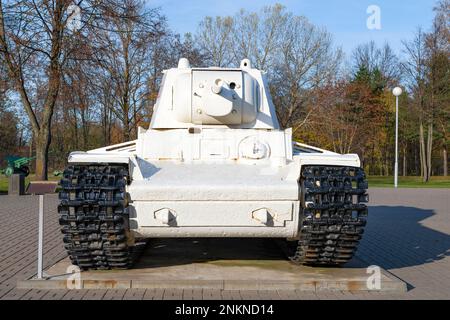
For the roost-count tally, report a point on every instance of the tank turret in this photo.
(235, 98)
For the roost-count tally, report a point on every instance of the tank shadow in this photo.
(394, 238)
(180, 251)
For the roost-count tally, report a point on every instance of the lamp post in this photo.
(396, 92)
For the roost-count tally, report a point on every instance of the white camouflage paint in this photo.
(214, 162)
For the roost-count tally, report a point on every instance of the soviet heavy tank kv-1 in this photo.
(214, 162)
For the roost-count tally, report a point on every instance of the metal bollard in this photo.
(41, 188)
(16, 185)
(40, 236)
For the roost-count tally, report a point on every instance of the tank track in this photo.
(333, 212)
(93, 214)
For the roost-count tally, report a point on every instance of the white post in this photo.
(40, 236)
(396, 92)
(396, 144)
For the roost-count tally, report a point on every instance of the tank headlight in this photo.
(252, 148)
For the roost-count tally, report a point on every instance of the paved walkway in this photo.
(408, 233)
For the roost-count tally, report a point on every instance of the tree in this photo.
(31, 35)
(257, 36)
(427, 68)
(377, 70)
(9, 132)
(214, 37)
(185, 47)
(438, 79)
(36, 42)
(296, 55)
(307, 61)
(415, 71)
(382, 60)
(127, 53)
(350, 117)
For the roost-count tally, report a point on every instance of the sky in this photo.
(346, 20)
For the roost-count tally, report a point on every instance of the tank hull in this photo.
(215, 219)
(189, 192)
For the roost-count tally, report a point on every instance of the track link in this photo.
(333, 212)
(93, 214)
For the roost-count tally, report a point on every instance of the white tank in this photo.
(214, 162)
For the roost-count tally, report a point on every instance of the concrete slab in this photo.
(225, 264)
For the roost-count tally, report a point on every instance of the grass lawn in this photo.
(31, 177)
(374, 181)
(409, 182)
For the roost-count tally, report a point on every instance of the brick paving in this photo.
(408, 234)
